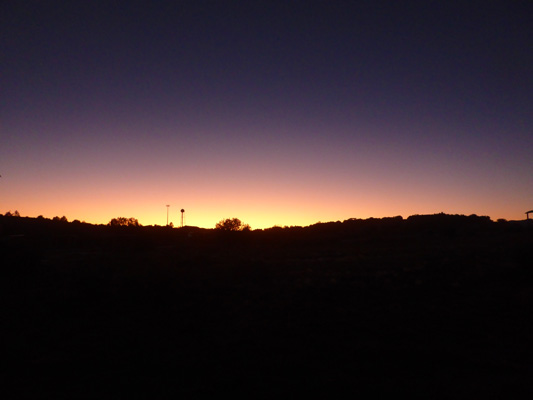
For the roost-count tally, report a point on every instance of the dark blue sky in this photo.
(303, 89)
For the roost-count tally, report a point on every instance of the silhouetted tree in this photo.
(122, 221)
(233, 225)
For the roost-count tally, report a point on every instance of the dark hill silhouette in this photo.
(435, 305)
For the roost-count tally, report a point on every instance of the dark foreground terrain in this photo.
(439, 306)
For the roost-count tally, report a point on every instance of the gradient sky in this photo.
(278, 113)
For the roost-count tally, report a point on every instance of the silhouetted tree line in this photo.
(363, 229)
(17, 214)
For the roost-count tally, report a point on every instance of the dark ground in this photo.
(436, 307)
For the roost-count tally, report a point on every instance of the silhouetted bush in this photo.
(232, 225)
(122, 221)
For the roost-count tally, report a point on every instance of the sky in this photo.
(277, 113)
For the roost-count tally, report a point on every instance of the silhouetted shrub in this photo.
(232, 225)
(122, 221)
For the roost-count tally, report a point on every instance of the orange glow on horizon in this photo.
(258, 213)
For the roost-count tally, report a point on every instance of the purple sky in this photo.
(279, 113)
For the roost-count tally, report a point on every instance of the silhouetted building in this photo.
(528, 212)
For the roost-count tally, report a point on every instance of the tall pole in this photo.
(182, 212)
(168, 205)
